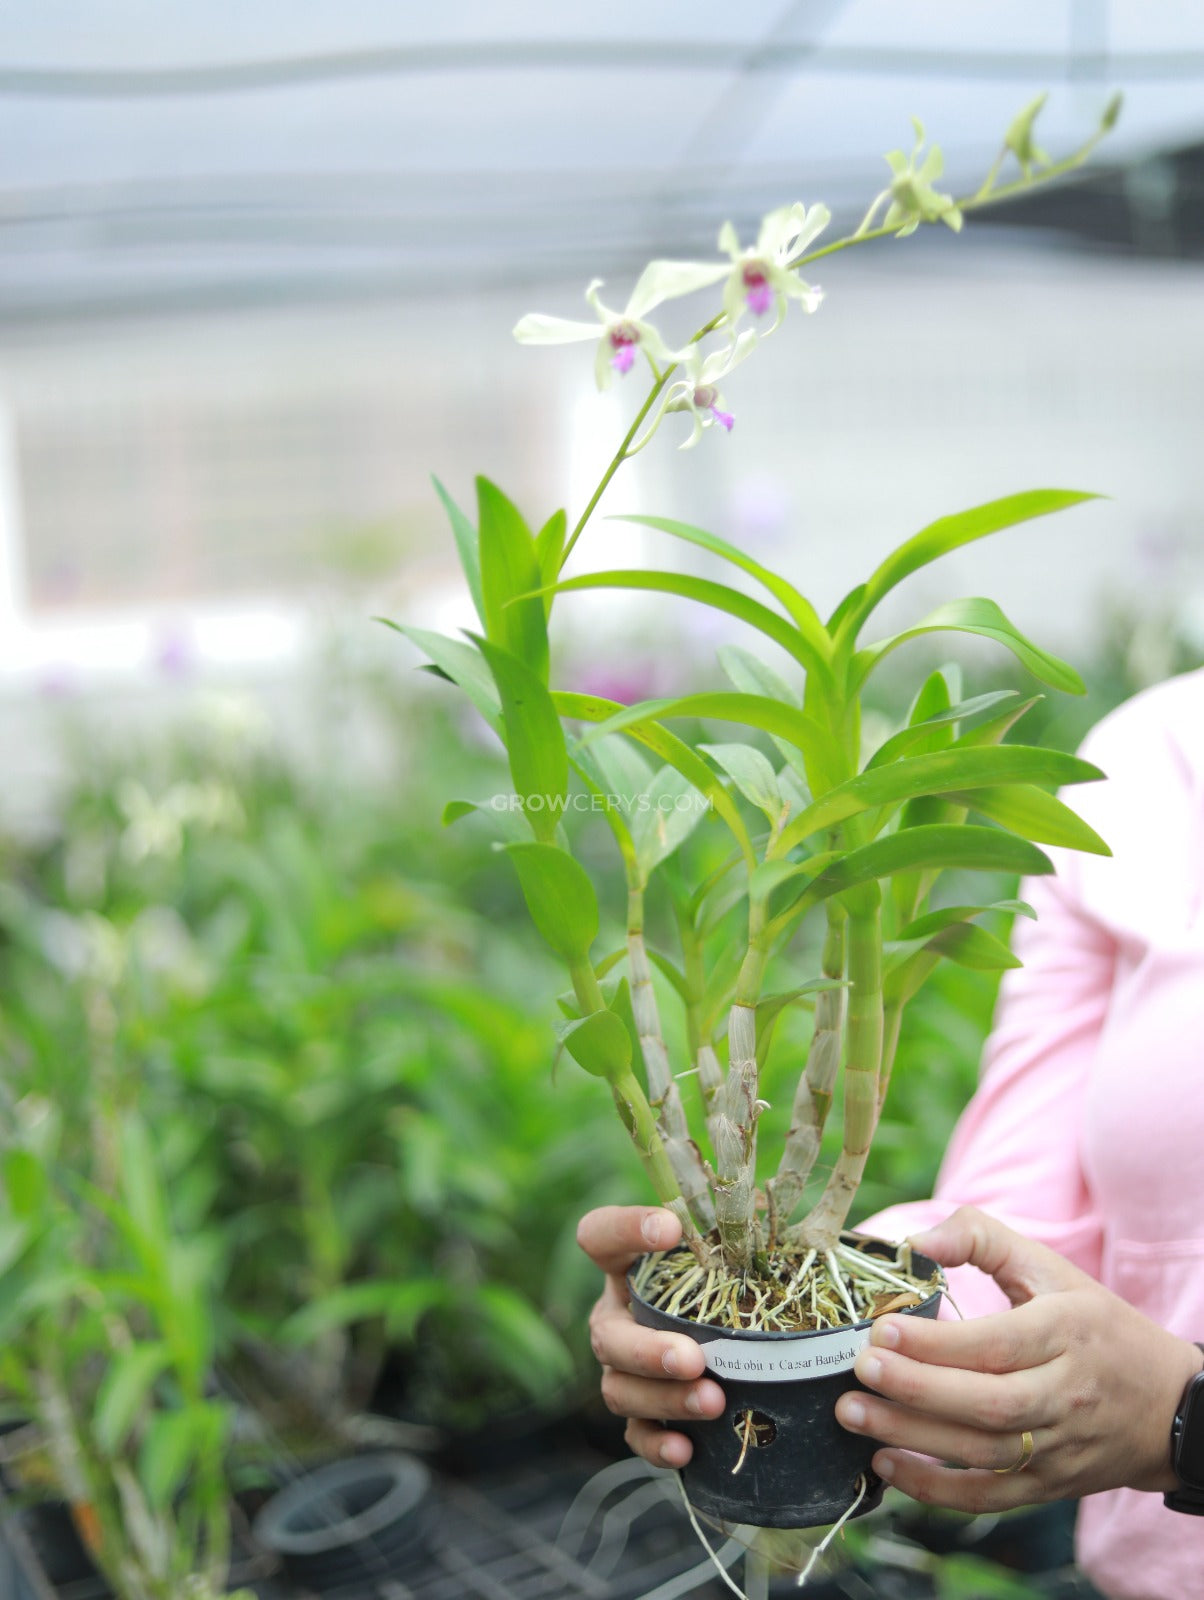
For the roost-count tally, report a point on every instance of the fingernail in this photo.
(869, 1369)
(886, 1333)
(853, 1414)
(694, 1402)
(884, 1467)
(671, 1363)
(652, 1227)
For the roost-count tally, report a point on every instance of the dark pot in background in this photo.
(350, 1521)
(801, 1469)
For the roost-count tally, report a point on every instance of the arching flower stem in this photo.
(984, 195)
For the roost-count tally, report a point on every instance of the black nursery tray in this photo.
(560, 1529)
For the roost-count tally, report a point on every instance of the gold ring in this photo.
(1025, 1456)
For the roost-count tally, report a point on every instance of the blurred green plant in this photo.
(106, 1341)
(360, 1073)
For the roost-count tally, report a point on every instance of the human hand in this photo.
(1095, 1383)
(647, 1376)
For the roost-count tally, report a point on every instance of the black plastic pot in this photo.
(801, 1469)
(351, 1521)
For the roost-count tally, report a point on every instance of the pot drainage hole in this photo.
(755, 1431)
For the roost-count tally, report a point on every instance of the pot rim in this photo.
(715, 1330)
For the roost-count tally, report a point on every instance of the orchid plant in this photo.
(814, 822)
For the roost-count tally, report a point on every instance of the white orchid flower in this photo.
(621, 333)
(697, 391)
(761, 278)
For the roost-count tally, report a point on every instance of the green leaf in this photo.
(600, 1043)
(933, 921)
(26, 1182)
(466, 544)
(614, 807)
(795, 794)
(505, 820)
(402, 1305)
(560, 898)
(621, 767)
(772, 1006)
(549, 552)
(995, 729)
(717, 596)
(1034, 814)
(971, 946)
(16, 1236)
(845, 609)
(981, 617)
(459, 662)
(820, 749)
(908, 969)
(951, 533)
(942, 772)
(752, 774)
(935, 845)
(663, 817)
(673, 973)
(124, 1389)
(618, 1002)
(173, 1441)
(670, 749)
(968, 1577)
(721, 896)
(750, 675)
(515, 615)
(141, 1188)
(522, 1342)
(791, 600)
(539, 763)
(921, 733)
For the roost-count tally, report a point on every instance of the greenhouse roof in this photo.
(158, 155)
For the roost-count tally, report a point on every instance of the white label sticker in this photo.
(785, 1360)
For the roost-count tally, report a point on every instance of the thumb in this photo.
(1022, 1268)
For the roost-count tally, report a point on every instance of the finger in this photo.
(1021, 1268)
(660, 1446)
(613, 1236)
(975, 1491)
(628, 1396)
(619, 1341)
(1009, 1341)
(946, 1441)
(998, 1402)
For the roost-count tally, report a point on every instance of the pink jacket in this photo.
(1087, 1131)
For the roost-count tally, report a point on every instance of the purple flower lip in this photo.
(759, 296)
(724, 418)
(623, 340)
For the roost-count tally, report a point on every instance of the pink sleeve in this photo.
(1015, 1151)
